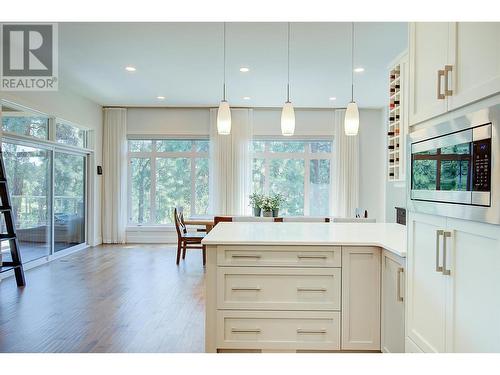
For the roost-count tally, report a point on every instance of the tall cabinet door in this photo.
(426, 287)
(474, 287)
(428, 55)
(474, 55)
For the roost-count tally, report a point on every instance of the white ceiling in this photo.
(184, 63)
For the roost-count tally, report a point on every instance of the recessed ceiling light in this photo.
(160, 97)
(244, 69)
(359, 70)
(332, 98)
(246, 98)
(130, 69)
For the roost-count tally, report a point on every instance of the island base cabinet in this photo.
(361, 298)
(393, 305)
(278, 330)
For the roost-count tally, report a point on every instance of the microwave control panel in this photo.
(481, 173)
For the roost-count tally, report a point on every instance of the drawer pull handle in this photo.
(302, 289)
(257, 288)
(311, 256)
(314, 331)
(245, 330)
(245, 256)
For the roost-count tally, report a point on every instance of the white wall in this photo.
(79, 110)
(309, 122)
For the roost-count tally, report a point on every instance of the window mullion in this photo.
(152, 202)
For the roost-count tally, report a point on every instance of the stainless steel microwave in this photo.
(455, 167)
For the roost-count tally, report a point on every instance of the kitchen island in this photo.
(298, 286)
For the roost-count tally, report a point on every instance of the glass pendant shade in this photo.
(224, 118)
(351, 121)
(287, 120)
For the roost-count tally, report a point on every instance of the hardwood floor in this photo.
(110, 298)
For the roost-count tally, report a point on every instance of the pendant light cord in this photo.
(224, 69)
(352, 62)
(288, 59)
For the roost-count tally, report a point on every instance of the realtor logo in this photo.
(28, 57)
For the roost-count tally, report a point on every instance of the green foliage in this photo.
(33, 126)
(256, 200)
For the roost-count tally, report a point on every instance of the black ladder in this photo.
(6, 210)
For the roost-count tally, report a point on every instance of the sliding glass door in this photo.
(48, 195)
(29, 177)
(69, 200)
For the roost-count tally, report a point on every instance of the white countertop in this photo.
(389, 236)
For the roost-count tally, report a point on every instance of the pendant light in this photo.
(224, 112)
(288, 114)
(351, 121)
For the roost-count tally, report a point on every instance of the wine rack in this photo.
(396, 121)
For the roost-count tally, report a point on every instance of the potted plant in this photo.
(256, 202)
(275, 203)
(267, 207)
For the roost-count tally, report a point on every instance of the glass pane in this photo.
(69, 200)
(321, 146)
(202, 146)
(140, 146)
(28, 175)
(287, 177)
(173, 146)
(461, 149)
(70, 135)
(201, 202)
(259, 146)
(24, 122)
(287, 146)
(424, 174)
(173, 188)
(319, 189)
(140, 190)
(454, 175)
(258, 175)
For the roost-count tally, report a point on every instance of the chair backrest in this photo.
(218, 219)
(180, 227)
(353, 220)
(306, 219)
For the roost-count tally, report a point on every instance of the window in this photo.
(166, 173)
(24, 122)
(69, 134)
(300, 170)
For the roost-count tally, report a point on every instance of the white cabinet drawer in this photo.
(278, 330)
(271, 288)
(289, 256)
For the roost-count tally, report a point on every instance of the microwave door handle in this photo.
(439, 233)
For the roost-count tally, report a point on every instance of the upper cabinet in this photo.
(451, 65)
(475, 58)
(428, 56)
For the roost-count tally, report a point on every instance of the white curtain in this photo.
(114, 218)
(345, 183)
(231, 164)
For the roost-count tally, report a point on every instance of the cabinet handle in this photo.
(399, 298)
(245, 256)
(440, 96)
(301, 289)
(245, 330)
(256, 288)
(319, 331)
(447, 70)
(311, 256)
(439, 233)
(446, 235)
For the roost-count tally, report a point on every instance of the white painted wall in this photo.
(309, 122)
(79, 110)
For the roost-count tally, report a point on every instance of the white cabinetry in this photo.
(360, 298)
(393, 310)
(451, 65)
(453, 288)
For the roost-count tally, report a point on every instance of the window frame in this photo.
(307, 156)
(153, 155)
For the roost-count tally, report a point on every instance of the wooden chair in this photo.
(187, 240)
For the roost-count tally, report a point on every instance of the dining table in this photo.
(207, 221)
